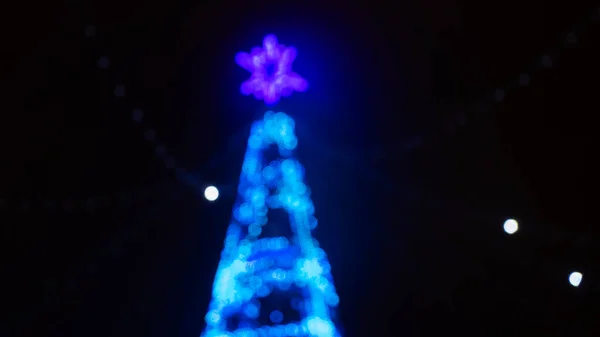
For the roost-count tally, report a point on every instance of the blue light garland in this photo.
(258, 272)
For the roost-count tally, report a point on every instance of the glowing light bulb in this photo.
(511, 226)
(575, 279)
(211, 193)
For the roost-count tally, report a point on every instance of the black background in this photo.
(413, 162)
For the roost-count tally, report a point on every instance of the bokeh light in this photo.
(575, 278)
(511, 226)
(211, 193)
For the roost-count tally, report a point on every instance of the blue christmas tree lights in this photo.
(273, 280)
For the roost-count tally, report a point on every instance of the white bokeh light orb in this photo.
(211, 193)
(575, 278)
(511, 226)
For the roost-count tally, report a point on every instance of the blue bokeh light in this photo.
(276, 316)
(255, 267)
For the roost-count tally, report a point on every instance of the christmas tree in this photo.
(273, 280)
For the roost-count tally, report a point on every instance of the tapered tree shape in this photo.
(273, 280)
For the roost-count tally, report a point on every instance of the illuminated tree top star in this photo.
(271, 67)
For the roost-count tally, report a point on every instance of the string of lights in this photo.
(511, 227)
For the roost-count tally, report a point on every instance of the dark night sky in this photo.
(412, 162)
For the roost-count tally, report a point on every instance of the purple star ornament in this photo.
(271, 67)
